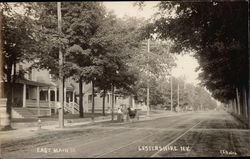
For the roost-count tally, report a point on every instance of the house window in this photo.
(43, 95)
(52, 95)
(90, 99)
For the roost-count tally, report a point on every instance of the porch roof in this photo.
(33, 83)
(68, 85)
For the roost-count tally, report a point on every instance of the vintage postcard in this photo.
(115, 79)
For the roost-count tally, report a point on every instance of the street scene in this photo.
(124, 79)
(187, 134)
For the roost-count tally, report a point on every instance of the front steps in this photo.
(29, 112)
(22, 113)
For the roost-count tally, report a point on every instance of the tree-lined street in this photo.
(90, 83)
(200, 134)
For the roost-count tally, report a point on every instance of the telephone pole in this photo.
(148, 82)
(61, 109)
(171, 86)
(178, 98)
(113, 101)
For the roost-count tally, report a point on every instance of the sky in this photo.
(186, 64)
(126, 8)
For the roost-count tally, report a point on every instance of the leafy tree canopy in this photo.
(208, 29)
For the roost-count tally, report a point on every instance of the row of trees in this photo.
(95, 44)
(209, 30)
(97, 47)
(190, 97)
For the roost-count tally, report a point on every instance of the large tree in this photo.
(151, 67)
(116, 40)
(17, 40)
(80, 21)
(208, 29)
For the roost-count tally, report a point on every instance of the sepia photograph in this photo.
(124, 79)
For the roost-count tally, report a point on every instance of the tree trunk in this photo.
(7, 125)
(238, 101)
(9, 99)
(103, 102)
(247, 100)
(241, 100)
(81, 115)
(1, 54)
(13, 81)
(245, 105)
(232, 105)
(93, 97)
(235, 105)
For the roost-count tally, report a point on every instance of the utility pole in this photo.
(93, 97)
(93, 100)
(61, 109)
(178, 98)
(171, 85)
(148, 82)
(184, 92)
(113, 98)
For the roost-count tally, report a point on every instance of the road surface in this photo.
(195, 134)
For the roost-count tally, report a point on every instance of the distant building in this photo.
(118, 100)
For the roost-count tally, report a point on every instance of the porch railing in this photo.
(33, 103)
(71, 107)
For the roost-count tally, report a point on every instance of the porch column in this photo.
(49, 101)
(38, 100)
(73, 103)
(24, 95)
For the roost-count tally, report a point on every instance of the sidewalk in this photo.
(72, 119)
(54, 121)
(70, 124)
(48, 127)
